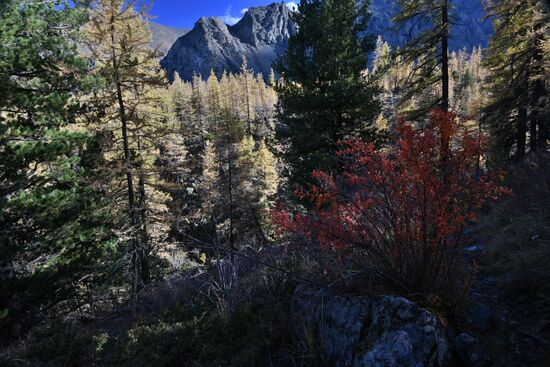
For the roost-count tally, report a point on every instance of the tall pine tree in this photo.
(54, 223)
(324, 93)
(428, 23)
(518, 111)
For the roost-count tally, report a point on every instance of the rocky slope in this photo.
(164, 36)
(469, 27)
(259, 37)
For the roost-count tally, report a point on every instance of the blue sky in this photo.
(184, 13)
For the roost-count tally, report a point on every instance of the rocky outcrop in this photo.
(259, 37)
(353, 331)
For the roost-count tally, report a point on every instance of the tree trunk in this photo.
(248, 114)
(231, 216)
(144, 251)
(533, 135)
(521, 133)
(136, 262)
(445, 55)
(230, 162)
(539, 114)
(201, 127)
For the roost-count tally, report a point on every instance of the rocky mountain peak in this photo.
(210, 22)
(259, 37)
(263, 33)
(265, 25)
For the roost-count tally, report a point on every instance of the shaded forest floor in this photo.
(187, 320)
(512, 331)
(512, 327)
(510, 295)
(184, 321)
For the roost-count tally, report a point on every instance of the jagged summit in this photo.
(260, 36)
(263, 33)
(264, 25)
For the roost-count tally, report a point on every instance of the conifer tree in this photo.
(118, 37)
(210, 180)
(246, 159)
(429, 51)
(266, 181)
(384, 72)
(198, 107)
(227, 134)
(467, 78)
(54, 223)
(382, 55)
(185, 152)
(246, 79)
(517, 113)
(324, 95)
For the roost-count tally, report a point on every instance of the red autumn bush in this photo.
(405, 209)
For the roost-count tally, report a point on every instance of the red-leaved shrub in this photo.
(405, 209)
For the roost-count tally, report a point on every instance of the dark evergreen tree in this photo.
(324, 93)
(53, 222)
(518, 112)
(427, 21)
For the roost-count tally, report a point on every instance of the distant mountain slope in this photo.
(164, 36)
(469, 28)
(260, 36)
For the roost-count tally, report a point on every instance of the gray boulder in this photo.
(357, 331)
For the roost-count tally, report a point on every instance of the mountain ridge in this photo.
(263, 33)
(259, 37)
(163, 36)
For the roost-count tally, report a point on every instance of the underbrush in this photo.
(403, 210)
(184, 338)
(517, 232)
(256, 332)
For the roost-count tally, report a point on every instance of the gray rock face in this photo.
(469, 27)
(259, 37)
(368, 331)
